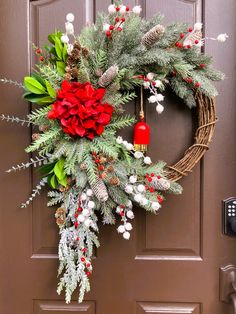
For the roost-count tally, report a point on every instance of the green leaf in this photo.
(33, 97)
(46, 100)
(47, 169)
(39, 79)
(64, 53)
(33, 85)
(53, 181)
(63, 181)
(59, 169)
(61, 67)
(50, 89)
(58, 47)
(52, 37)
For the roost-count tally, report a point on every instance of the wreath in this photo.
(79, 89)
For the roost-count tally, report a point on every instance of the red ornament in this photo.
(141, 136)
(82, 259)
(97, 161)
(189, 80)
(190, 29)
(152, 174)
(80, 110)
(111, 27)
(147, 175)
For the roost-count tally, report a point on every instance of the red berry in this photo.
(149, 179)
(117, 19)
(85, 250)
(97, 161)
(153, 83)
(122, 214)
(38, 51)
(122, 206)
(76, 215)
(79, 210)
(88, 265)
(147, 175)
(151, 190)
(88, 273)
(190, 29)
(101, 167)
(77, 239)
(127, 9)
(108, 34)
(181, 36)
(94, 153)
(189, 46)
(196, 41)
(189, 80)
(180, 46)
(117, 9)
(152, 174)
(173, 73)
(76, 224)
(119, 29)
(177, 44)
(123, 19)
(202, 65)
(111, 27)
(82, 259)
(146, 79)
(197, 84)
(41, 58)
(140, 77)
(160, 199)
(158, 177)
(146, 187)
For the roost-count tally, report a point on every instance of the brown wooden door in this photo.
(171, 264)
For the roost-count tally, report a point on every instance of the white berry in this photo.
(129, 204)
(87, 222)
(69, 28)
(147, 160)
(156, 205)
(159, 108)
(141, 188)
(129, 189)
(65, 39)
(128, 226)
(159, 97)
(83, 197)
(144, 201)
(133, 179)
(146, 85)
(111, 8)
(150, 76)
(91, 204)
(138, 155)
(119, 140)
(152, 99)
(81, 218)
(129, 146)
(126, 235)
(86, 212)
(89, 192)
(137, 9)
(222, 37)
(158, 83)
(130, 214)
(118, 209)
(122, 9)
(197, 26)
(70, 17)
(138, 197)
(121, 229)
(106, 27)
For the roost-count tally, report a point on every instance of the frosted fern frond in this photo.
(38, 161)
(35, 192)
(14, 119)
(56, 198)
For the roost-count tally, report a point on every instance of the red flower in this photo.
(80, 110)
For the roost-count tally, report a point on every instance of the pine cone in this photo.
(77, 45)
(160, 184)
(35, 136)
(74, 72)
(110, 168)
(114, 181)
(100, 190)
(152, 36)
(85, 52)
(67, 76)
(108, 76)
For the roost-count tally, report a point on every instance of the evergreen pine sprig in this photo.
(13, 119)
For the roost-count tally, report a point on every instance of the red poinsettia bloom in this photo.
(80, 110)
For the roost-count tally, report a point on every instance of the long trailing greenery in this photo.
(90, 172)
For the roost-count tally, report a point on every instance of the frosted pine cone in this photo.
(100, 190)
(152, 36)
(108, 76)
(160, 184)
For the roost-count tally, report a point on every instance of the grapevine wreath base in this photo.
(78, 91)
(203, 136)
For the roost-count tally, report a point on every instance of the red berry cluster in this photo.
(39, 53)
(145, 79)
(76, 223)
(87, 264)
(179, 44)
(117, 26)
(97, 161)
(149, 178)
(189, 80)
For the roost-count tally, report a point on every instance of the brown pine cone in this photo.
(35, 136)
(114, 181)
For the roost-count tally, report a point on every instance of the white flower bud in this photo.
(138, 155)
(70, 17)
(65, 39)
(150, 76)
(121, 229)
(159, 108)
(106, 27)
(197, 26)
(152, 99)
(111, 8)
(128, 226)
(89, 192)
(87, 222)
(137, 9)
(156, 205)
(86, 212)
(128, 189)
(147, 160)
(146, 85)
(141, 188)
(119, 140)
(91, 204)
(159, 97)
(126, 235)
(83, 197)
(222, 38)
(138, 197)
(130, 214)
(158, 83)
(122, 9)
(69, 28)
(81, 218)
(133, 179)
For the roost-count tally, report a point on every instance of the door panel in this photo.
(171, 264)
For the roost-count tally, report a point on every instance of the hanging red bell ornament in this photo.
(141, 130)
